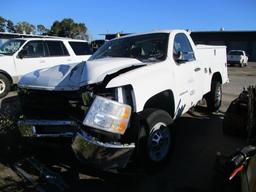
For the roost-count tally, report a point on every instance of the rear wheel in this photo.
(5, 85)
(214, 98)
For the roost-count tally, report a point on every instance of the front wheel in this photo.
(5, 85)
(214, 98)
(156, 144)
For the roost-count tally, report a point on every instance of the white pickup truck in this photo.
(124, 100)
(19, 56)
(237, 57)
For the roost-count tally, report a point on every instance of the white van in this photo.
(22, 55)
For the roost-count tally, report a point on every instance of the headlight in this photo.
(108, 115)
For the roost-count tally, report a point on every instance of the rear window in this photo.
(235, 53)
(80, 48)
(56, 48)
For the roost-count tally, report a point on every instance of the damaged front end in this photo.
(101, 126)
(100, 120)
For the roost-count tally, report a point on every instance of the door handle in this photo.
(197, 69)
(42, 61)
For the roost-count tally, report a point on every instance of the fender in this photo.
(146, 82)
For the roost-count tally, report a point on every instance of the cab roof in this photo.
(156, 31)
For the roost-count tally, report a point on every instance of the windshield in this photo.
(235, 53)
(11, 46)
(146, 48)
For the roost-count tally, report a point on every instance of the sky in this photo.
(133, 16)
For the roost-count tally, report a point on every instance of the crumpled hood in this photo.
(73, 76)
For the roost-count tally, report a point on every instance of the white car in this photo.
(237, 57)
(22, 55)
(124, 99)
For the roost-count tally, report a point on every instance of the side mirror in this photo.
(23, 53)
(179, 57)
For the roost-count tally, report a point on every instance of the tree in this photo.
(10, 26)
(42, 30)
(25, 27)
(55, 28)
(2, 24)
(68, 28)
(80, 32)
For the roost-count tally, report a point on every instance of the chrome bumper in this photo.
(105, 156)
(98, 143)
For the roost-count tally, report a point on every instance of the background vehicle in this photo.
(23, 55)
(237, 57)
(125, 97)
(96, 44)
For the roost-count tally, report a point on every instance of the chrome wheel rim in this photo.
(2, 86)
(159, 142)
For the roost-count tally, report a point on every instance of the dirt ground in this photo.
(198, 137)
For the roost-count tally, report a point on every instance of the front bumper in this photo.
(234, 61)
(105, 156)
(101, 155)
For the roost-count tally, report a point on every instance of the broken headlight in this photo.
(108, 115)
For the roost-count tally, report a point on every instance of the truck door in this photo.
(186, 74)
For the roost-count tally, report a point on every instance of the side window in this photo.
(182, 46)
(56, 48)
(34, 49)
(80, 48)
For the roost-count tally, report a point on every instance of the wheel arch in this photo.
(217, 77)
(163, 100)
(7, 75)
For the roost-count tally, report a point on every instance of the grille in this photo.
(37, 104)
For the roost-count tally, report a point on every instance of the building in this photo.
(242, 40)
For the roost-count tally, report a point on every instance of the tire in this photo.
(5, 85)
(214, 98)
(157, 143)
